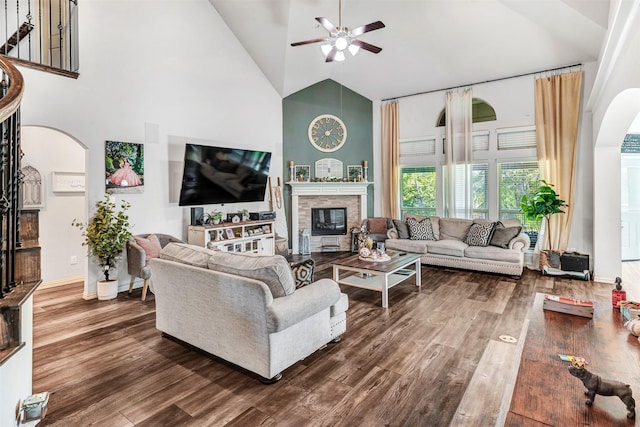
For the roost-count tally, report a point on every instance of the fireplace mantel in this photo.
(323, 189)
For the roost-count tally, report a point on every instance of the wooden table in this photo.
(546, 394)
(378, 276)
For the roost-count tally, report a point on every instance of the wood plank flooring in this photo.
(433, 358)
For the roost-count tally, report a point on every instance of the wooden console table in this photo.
(546, 394)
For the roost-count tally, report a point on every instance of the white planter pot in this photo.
(107, 289)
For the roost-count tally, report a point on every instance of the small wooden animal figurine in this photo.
(596, 385)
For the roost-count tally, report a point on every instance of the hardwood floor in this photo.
(433, 358)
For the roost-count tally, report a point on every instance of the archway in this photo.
(58, 156)
(616, 121)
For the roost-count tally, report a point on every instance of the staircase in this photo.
(13, 41)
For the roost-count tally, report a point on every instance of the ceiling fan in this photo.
(341, 38)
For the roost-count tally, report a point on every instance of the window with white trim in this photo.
(517, 179)
(418, 191)
(516, 138)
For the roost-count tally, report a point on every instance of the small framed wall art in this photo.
(303, 173)
(68, 182)
(354, 172)
(124, 167)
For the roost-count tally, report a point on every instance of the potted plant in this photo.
(245, 214)
(215, 216)
(543, 203)
(302, 174)
(106, 235)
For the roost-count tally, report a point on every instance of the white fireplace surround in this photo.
(323, 189)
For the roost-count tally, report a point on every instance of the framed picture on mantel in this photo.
(354, 173)
(303, 173)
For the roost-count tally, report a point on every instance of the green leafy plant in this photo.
(106, 233)
(215, 216)
(543, 203)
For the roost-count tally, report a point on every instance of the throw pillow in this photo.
(420, 230)
(377, 225)
(401, 227)
(273, 270)
(150, 244)
(479, 234)
(502, 235)
(303, 272)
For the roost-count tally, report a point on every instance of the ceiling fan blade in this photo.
(308, 42)
(332, 54)
(366, 28)
(366, 46)
(327, 25)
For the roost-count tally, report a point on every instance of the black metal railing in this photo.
(11, 90)
(41, 33)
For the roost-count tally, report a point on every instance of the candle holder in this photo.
(292, 176)
(365, 168)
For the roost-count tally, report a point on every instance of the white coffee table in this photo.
(378, 276)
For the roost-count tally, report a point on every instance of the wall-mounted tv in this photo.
(214, 175)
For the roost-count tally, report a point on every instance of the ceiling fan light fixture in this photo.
(353, 49)
(341, 43)
(339, 56)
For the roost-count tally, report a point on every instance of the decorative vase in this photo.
(107, 289)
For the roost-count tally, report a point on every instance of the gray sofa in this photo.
(244, 309)
(451, 248)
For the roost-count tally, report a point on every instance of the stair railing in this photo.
(11, 92)
(41, 34)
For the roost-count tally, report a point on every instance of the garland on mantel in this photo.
(332, 179)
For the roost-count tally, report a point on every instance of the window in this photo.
(416, 149)
(418, 191)
(515, 180)
(481, 111)
(479, 188)
(517, 138)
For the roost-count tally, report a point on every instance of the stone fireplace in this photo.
(308, 195)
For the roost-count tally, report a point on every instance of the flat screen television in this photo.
(215, 175)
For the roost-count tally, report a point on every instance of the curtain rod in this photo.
(486, 81)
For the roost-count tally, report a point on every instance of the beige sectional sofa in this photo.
(245, 309)
(453, 244)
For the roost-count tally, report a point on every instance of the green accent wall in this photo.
(326, 97)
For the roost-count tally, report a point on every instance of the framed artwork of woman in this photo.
(124, 167)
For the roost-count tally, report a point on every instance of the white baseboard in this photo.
(61, 282)
(604, 279)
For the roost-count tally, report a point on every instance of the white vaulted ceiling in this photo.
(427, 44)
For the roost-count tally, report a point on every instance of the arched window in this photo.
(32, 188)
(482, 112)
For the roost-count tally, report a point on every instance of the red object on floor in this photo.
(617, 296)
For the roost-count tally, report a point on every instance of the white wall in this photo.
(151, 72)
(50, 151)
(615, 102)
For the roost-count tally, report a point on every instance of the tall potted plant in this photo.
(544, 203)
(106, 235)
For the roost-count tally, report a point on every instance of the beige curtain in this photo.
(557, 110)
(390, 160)
(458, 152)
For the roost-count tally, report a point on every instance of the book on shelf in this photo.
(568, 305)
